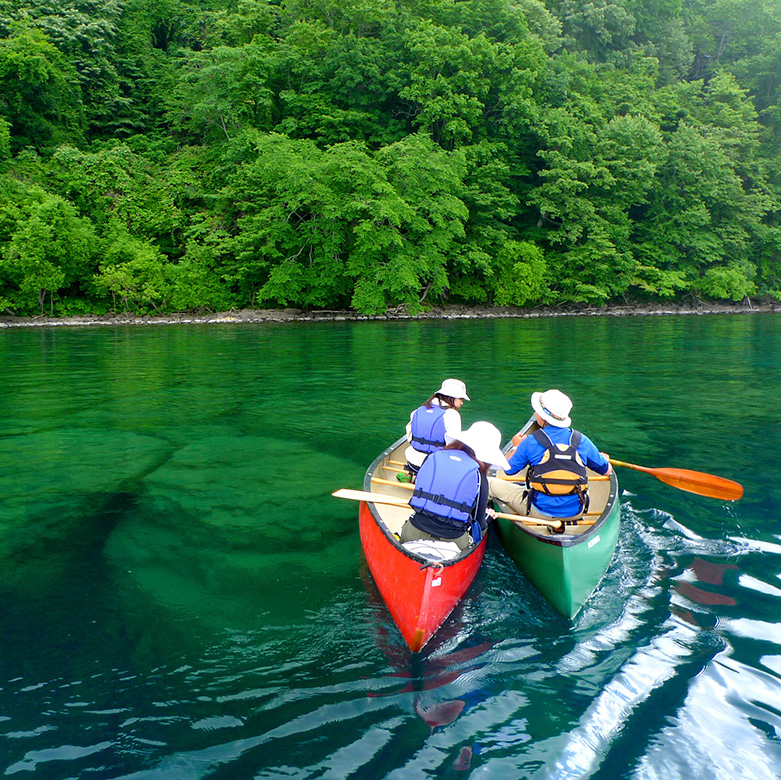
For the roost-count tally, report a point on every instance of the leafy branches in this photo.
(365, 154)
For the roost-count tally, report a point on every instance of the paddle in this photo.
(382, 498)
(366, 495)
(692, 481)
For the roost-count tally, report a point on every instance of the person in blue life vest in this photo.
(451, 490)
(432, 425)
(558, 458)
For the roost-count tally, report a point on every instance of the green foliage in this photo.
(341, 225)
(401, 252)
(205, 154)
(599, 27)
(115, 183)
(50, 249)
(5, 139)
(131, 270)
(38, 92)
(521, 280)
(449, 81)
(732, 281)
(222, 91)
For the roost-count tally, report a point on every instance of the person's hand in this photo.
(518, 438)
(489, 512)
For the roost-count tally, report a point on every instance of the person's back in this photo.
(435, 423)
(427, 427)
(445, 491)
(451, 493)
(557, 475)
(558, 458)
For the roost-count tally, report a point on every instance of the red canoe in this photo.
(419, 589)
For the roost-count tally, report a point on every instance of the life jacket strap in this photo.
(443, 500)
(429, 442)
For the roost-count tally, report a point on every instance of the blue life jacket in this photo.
(447, 487)
(428, 428)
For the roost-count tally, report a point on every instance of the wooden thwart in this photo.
(395, 483)
(522, 478)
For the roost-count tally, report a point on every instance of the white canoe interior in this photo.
(385, 481)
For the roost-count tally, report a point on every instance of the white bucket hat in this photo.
(554, 407)
(485, 440)
(454, 388)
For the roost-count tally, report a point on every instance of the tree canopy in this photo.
(207, 154)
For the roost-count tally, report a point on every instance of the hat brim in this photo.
(458, 394)
(499, 461)
(537, 406)
(493, 456)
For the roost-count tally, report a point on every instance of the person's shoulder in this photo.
(584, 439)
(587, 444)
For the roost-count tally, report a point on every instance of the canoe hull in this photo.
(418, 599)
(418, 594)
(566, 575)
(566, 568)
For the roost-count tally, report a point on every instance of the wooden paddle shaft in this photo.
(383, 498)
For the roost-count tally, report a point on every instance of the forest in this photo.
(201, 155)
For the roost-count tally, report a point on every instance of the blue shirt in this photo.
(530, 452)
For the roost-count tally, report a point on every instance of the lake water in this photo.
(182, 598)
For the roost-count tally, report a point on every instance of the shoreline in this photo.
(256, 316)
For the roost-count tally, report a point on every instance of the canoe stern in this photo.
(419, 594)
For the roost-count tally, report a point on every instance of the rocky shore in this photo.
(400, 313)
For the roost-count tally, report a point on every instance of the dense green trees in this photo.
(203, 154)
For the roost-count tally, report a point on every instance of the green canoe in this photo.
(566, 567)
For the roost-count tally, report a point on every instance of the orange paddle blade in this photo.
(692, 481)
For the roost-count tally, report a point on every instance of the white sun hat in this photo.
(485, 440)
(454, 388)
(554, 407)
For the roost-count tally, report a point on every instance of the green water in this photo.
(182, 597)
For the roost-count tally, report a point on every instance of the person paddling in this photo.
(435, 423)
(558, 458)
(451, 490)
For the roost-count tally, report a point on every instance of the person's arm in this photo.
(452, 424)
(516, 441)
(593, 458)
(518, 457)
